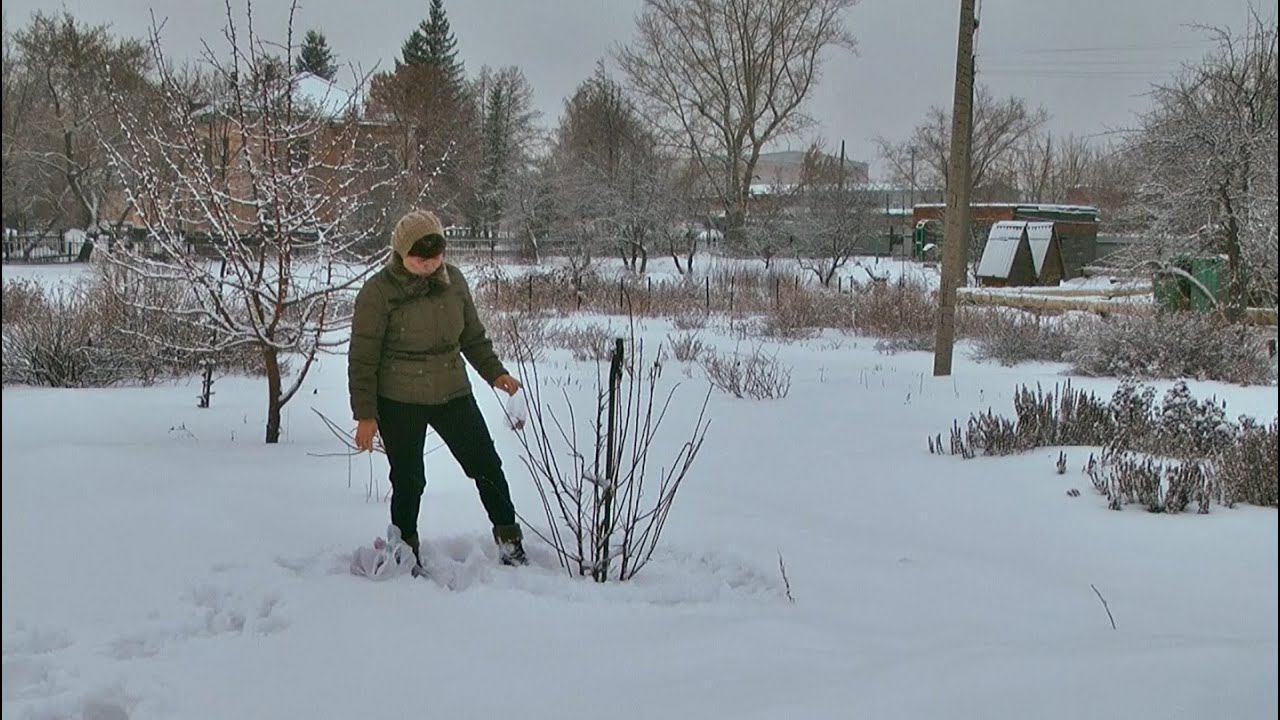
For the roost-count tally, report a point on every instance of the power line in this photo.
(1106, 48)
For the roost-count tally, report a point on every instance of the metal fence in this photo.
(42, 248)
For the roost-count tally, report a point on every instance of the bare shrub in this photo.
(523, 337)
(801, 313)
(554, 292)
(88, 335)
(586, 342)
(593, 467)
(754, 375)
(21, 297)
(52, 343)
(1173, 345)
(902, 313)
(689, 321)
(687, 347)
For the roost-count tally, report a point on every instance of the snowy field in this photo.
(160, 561)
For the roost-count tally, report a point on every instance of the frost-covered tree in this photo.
(505, 140)
(248, 202)
(1207, 156)
(604, 140)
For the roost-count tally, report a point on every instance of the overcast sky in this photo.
(1088, 62)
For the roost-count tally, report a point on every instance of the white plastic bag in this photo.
(517, 411)
(386, 559)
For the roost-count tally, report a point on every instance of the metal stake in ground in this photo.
(601, 573)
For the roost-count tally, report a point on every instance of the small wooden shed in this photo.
(1046, 252)
(1006, 259)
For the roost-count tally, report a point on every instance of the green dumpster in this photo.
(1210, 271)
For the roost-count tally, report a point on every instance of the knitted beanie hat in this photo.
(414, 226)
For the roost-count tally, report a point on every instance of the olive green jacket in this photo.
(408, 336)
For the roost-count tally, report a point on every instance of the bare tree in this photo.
(724, 78)
(602, 135)
(1207, 152)
(530, 206)
(279, 249)
(56, 79)
(999, 128)
(834, 216)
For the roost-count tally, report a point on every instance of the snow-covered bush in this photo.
(1173, 345)
(21, 297)
(1164, 456)
(1014, 336)
(902, 313)
(521, 337)
(689, 321)
(1248, 470)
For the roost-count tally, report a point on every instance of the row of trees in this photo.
(711, 84)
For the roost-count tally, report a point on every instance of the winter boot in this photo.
(417, 570)
(510, 549)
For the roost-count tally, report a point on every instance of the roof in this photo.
(325, 95)
(1040, 236)
(1002, 247)
(1026, 207)
(312, 91)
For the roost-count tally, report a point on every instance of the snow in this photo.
(324, 95)
(160, 561)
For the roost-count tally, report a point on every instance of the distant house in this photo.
(1075, 227)
(1019, 253)
(335, 132)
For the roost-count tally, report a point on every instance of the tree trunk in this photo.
(735, 230)
(1236, 284)
(271, 361)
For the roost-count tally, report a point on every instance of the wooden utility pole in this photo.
(955, 239)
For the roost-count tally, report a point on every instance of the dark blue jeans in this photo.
(459, 423)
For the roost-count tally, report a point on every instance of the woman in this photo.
(414, 322)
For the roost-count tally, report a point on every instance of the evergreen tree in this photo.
(414, 51)
(496, 137)
(316, 57)
(433, 43)
(442, 46)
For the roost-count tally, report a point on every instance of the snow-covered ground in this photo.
(160, 561)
